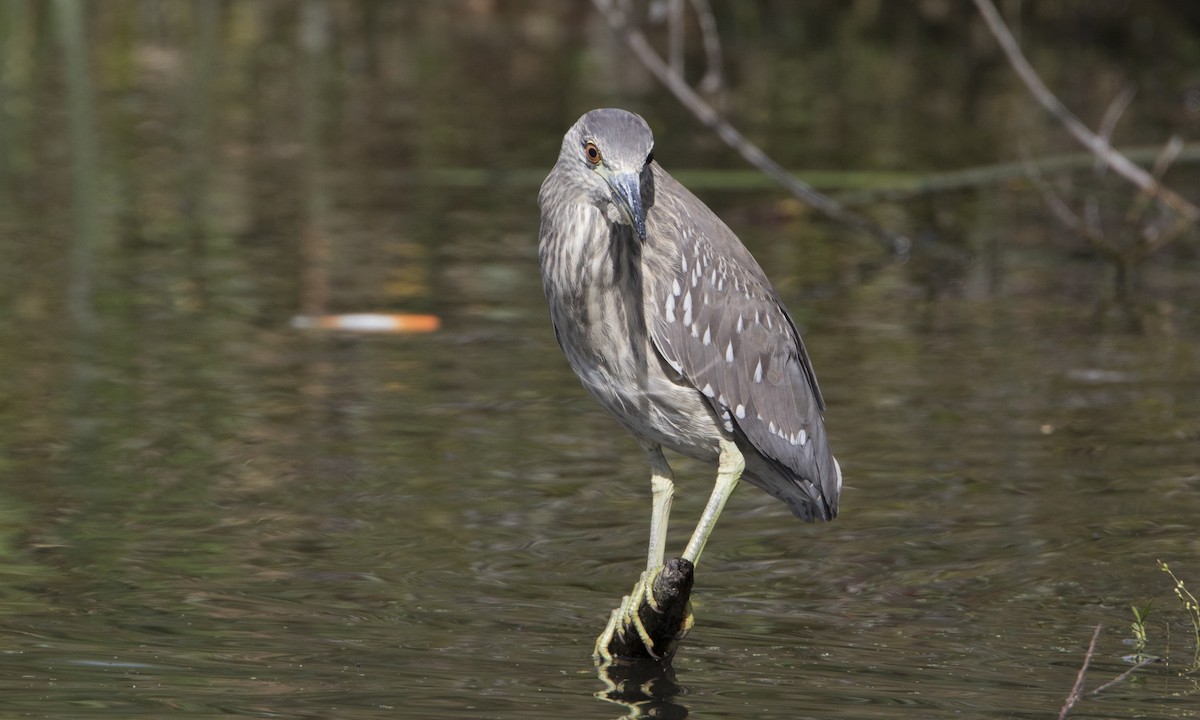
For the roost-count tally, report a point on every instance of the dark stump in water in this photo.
(663, 617)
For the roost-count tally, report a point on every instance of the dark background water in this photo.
(204, 511)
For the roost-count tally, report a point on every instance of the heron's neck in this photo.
(585, 252)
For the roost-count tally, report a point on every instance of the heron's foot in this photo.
(652, 618)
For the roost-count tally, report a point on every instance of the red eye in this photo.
(592, 152)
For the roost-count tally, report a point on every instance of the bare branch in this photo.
(706, 114)
(1077, 693)
(1098, 145)
(1077, 690)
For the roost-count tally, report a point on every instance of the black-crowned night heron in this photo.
(672, 325)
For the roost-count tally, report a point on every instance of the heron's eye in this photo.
(592, 152)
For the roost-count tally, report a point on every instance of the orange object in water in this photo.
(369, 322)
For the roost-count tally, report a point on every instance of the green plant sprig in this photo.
(1192, 607)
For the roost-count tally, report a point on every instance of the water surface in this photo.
(204, 511)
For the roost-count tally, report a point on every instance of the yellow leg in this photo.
(728, 472)
(662, 485)
(625, 619)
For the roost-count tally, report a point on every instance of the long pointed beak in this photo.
(628, 187)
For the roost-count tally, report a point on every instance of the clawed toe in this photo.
(652, 618)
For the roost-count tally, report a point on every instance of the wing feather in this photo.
(721, 325)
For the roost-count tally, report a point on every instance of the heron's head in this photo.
(612, 150)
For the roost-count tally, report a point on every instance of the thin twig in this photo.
(1141, 664)
(675, 29)
(711, 82)
(1091, 215)
(705, 113)
(1053, 200)
(1167, 157)
(1098, 145)
(1156, 237)
(1108, 123)
(1162, 162)
(1087, 228)
(1077, 690)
